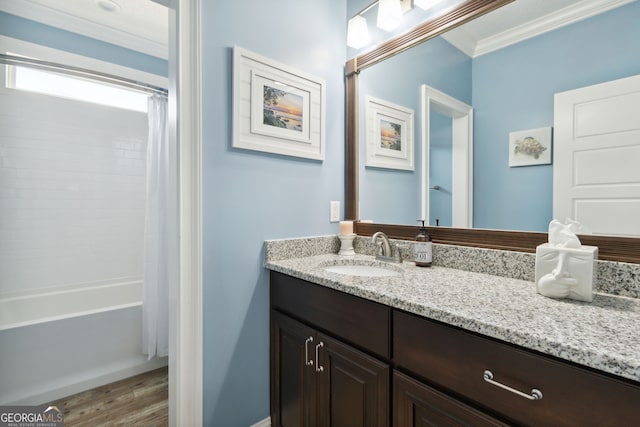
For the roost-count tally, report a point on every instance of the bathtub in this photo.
(19, 309)
(62, 341)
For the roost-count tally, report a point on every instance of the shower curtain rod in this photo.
(81, 72)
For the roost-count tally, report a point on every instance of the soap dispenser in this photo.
(423, 248)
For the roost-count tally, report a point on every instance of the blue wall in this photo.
(252, 196)
(389, 195)
(513, 90)
(30, 31)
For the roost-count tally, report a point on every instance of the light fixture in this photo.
(426, 4)
(389, 17)
(389, 14)
(357, 32)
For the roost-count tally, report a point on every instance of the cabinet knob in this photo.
(318, 367)
(307, 361)
(534, 395)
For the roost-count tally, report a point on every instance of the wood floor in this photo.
(137, 401)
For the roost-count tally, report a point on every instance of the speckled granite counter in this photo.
(603, 334)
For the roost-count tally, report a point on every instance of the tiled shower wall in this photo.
(72, 185)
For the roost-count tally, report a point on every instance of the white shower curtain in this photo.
(160, 240)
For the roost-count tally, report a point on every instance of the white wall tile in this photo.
(72, 185)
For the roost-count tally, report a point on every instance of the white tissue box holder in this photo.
(566, 272)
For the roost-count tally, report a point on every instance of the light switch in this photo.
(335, 211)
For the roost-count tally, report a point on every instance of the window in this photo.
(55, 84)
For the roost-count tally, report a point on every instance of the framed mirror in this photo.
(611, 247)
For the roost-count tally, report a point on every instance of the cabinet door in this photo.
(415, 404)
(353, 388)
(292, 372)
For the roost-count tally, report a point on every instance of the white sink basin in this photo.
(361, 270)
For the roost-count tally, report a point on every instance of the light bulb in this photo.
(389, 14)
(357, 32)
(426, 4)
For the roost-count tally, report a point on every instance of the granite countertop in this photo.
(603, 334)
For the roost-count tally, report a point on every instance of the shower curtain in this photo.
(160, 240)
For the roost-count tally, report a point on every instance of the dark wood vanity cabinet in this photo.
(340, 360)
(317, 379)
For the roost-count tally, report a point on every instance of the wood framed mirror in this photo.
(622, 249)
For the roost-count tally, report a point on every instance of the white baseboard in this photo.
(90, 383)
(264, 423)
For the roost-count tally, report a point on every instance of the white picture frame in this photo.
(530, 147)
(276, 108)
(389, 135)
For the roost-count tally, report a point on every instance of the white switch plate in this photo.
(335, 211)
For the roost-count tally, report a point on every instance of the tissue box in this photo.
(565, 272)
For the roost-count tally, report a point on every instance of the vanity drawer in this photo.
(455, 360)
(355, 320)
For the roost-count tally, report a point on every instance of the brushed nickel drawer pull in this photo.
(318, 367)
(307, 361)
(535, 393)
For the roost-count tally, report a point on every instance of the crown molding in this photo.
(462, 40)
(55, 18)
(552, 21)
(563, 17)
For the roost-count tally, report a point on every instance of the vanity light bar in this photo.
(389, 17)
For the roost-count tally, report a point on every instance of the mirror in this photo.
(511, 88)
(614, 248)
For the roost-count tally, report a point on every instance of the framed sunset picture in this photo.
(277, 109)
(390, 135)
(389, 130)
(280, 110)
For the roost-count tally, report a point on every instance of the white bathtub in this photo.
(45, 305)
(62, 341)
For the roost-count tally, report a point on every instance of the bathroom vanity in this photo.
(442, 346)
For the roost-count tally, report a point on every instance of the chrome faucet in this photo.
(383, 248)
